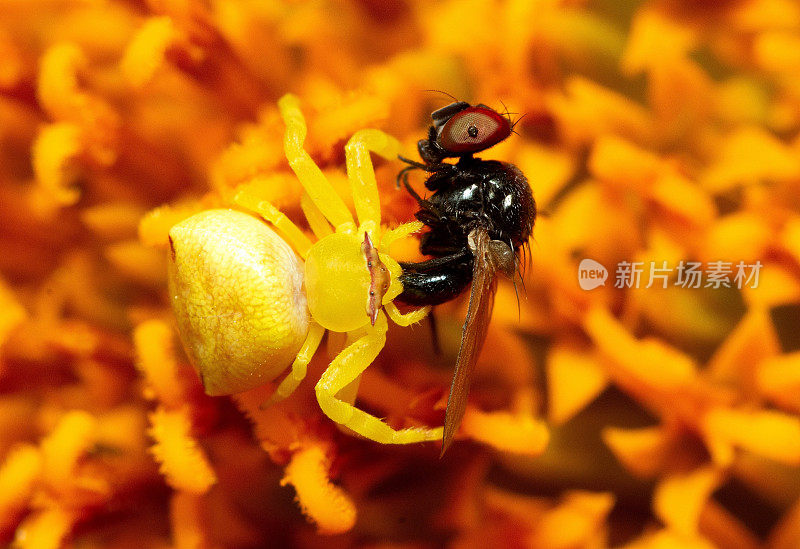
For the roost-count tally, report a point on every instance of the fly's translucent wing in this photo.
(473, 334)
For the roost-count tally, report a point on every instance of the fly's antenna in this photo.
(444, 93)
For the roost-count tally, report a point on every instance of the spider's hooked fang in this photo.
(379, 278)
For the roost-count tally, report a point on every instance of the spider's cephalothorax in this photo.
(481, 213)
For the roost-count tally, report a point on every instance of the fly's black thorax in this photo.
(482, 193)
(485, 194)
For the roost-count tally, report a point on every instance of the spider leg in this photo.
(362, 175)
(291, 232)
(405, 319)
(345, 368)
(319, 225)
(398, 233)
(298, 371)
(314, 182)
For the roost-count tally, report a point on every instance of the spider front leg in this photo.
(362, 175)
(291, 232)
(311, 177)
(405, 319)
(345, 368)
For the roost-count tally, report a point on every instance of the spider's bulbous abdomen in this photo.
(237, 292)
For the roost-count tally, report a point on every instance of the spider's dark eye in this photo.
(473, 129)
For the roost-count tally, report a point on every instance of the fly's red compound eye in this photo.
(474, 129)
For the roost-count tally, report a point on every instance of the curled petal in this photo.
(68, 441)
(18, 476)
(12, 313)
(273, 426)
(669, 539)
(679, 499)
(54, 153)
(745, 351)
(46, 529)
(621, 162)
(183, 462)
(188, 521)
(589, 110)
(58, 80)
(779, 380)
(656, 40)
(138, 262)
(154, 226)
(642, 451)
(646, 362)
(112, 220)
(156, 359)
(62, 97)
(517, 433)
(575, 522)
(751, 155)
(146, 52)
(767, 433)
(574, 379)
(326, 504)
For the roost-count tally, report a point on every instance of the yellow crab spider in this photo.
(247, 308)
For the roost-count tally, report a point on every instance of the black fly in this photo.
(480, 215)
